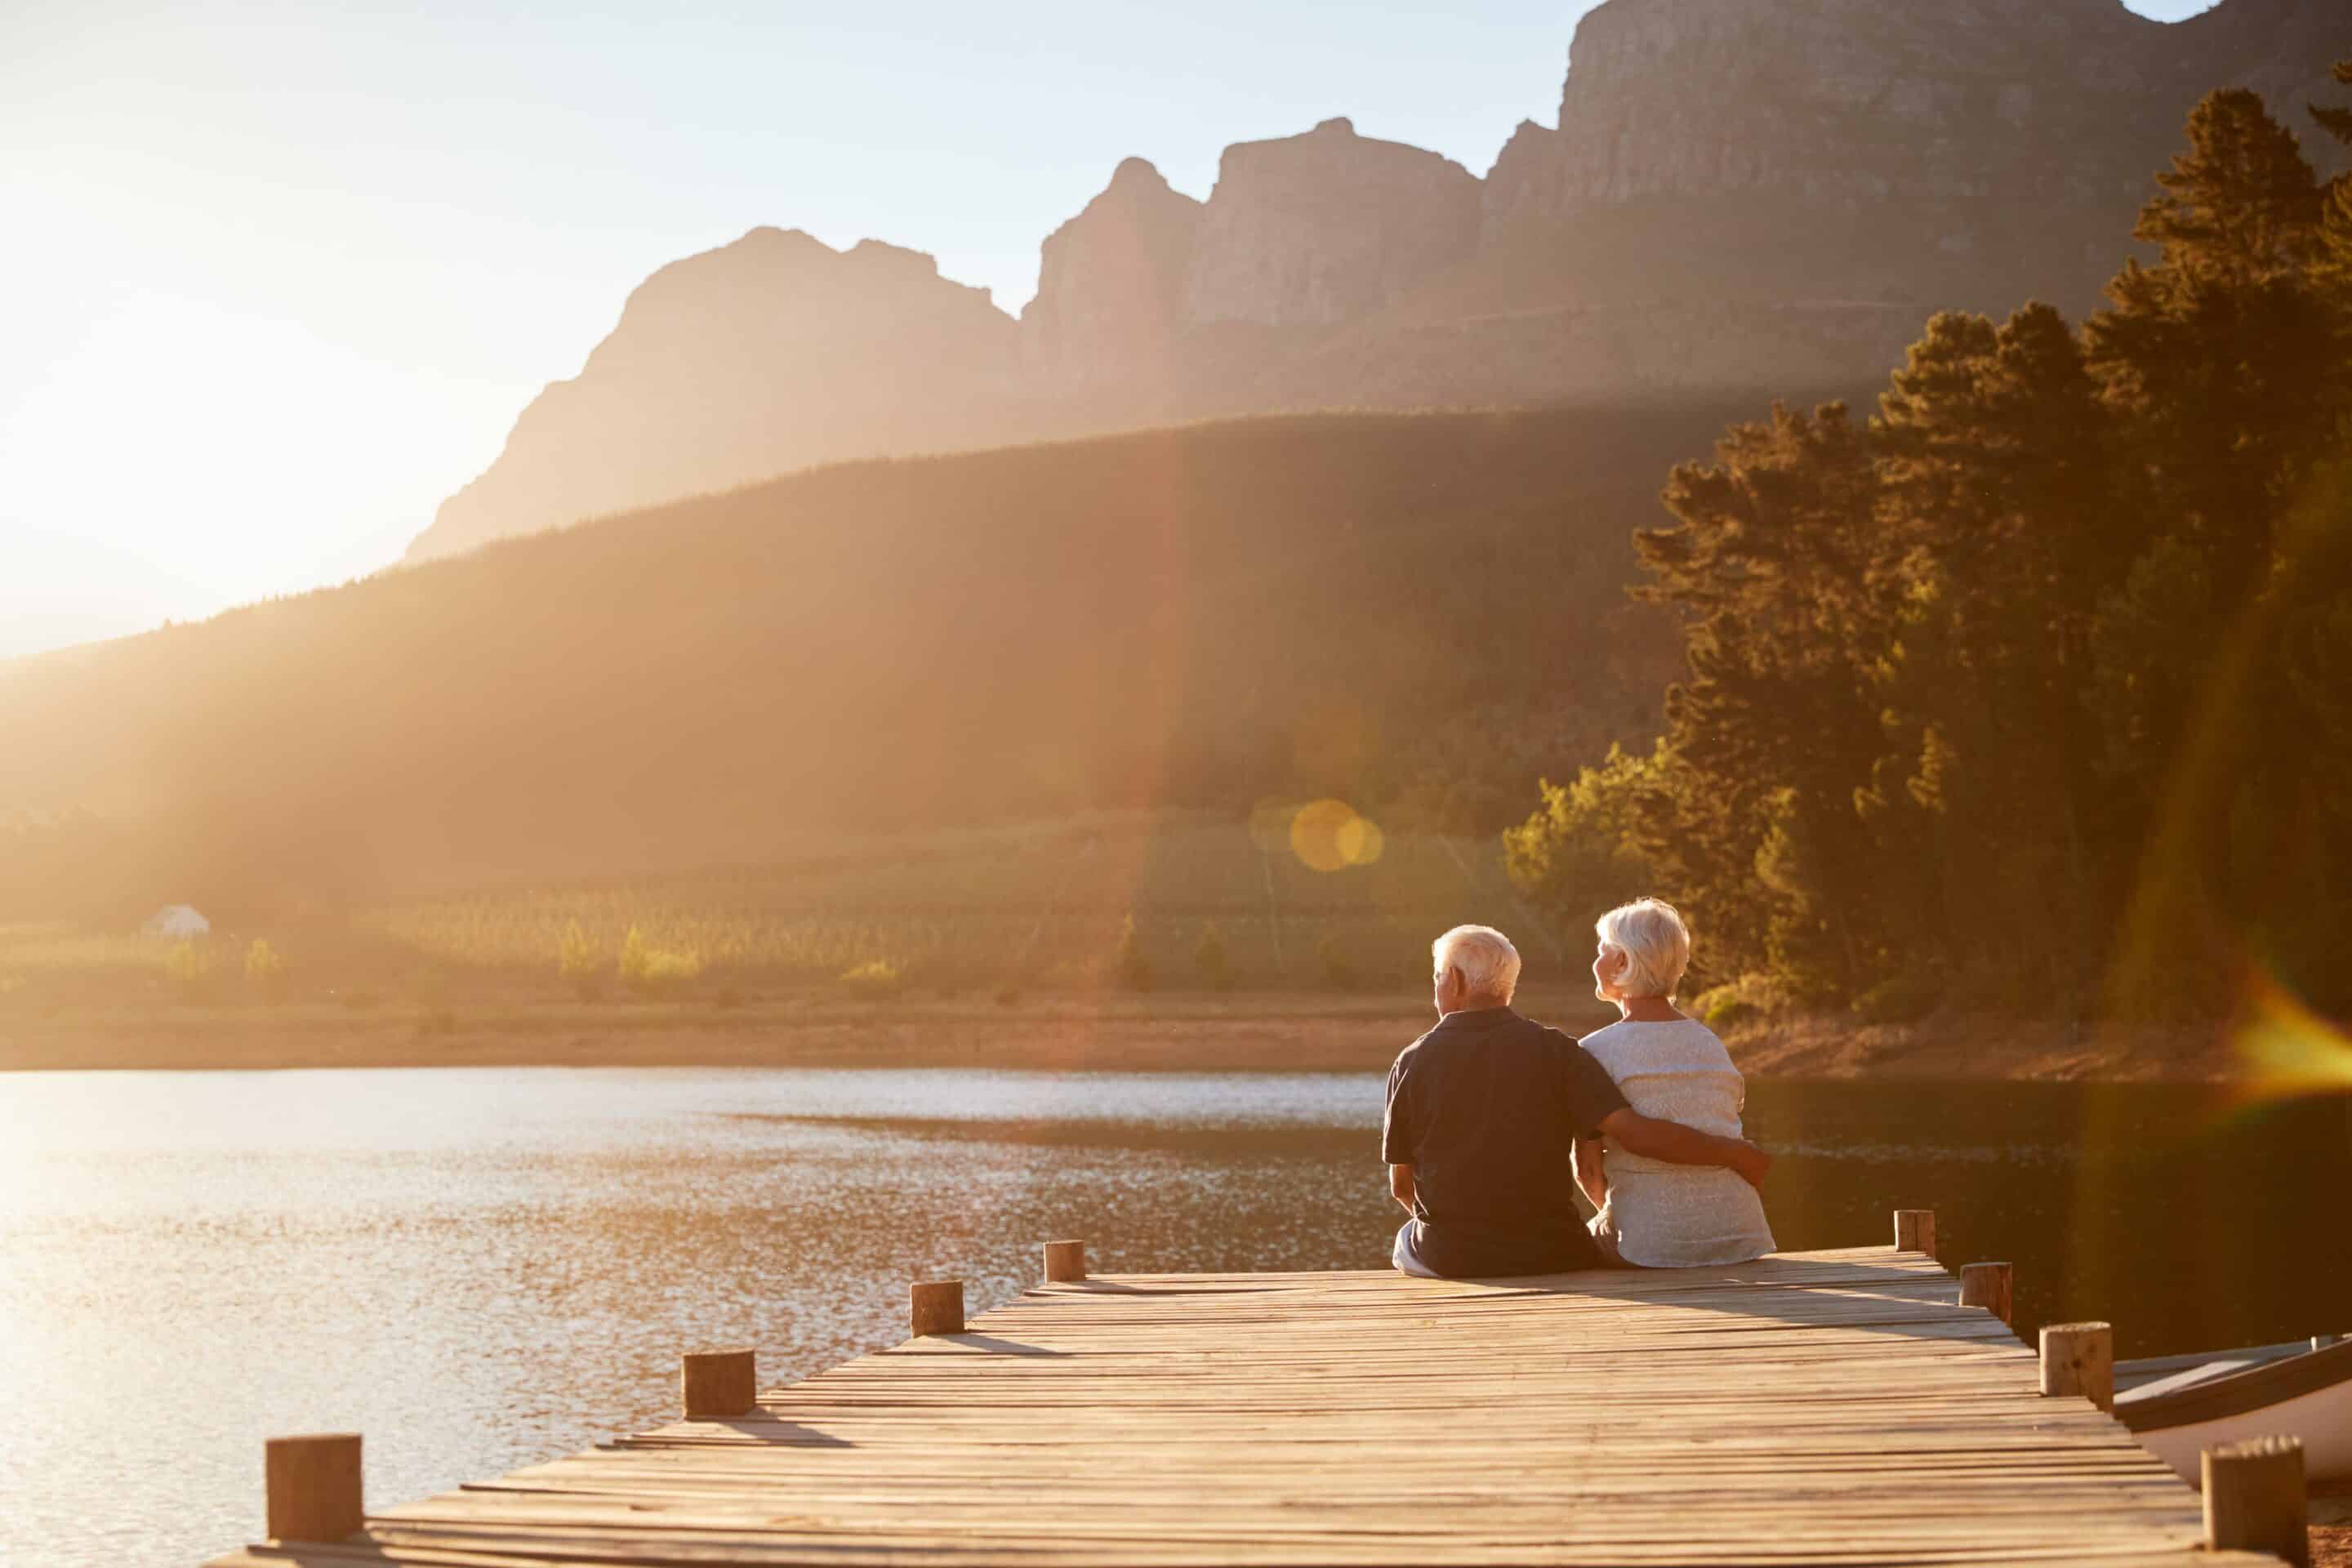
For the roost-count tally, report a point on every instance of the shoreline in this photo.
(1073, 1033)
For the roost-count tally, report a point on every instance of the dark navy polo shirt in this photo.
(1486, 1108)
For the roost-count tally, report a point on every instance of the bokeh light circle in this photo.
(1330, 836)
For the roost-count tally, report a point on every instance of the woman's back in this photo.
(1675, 1217)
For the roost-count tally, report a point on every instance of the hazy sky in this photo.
(276, 278)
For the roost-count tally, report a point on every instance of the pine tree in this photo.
(2044, 669)
(2334, 269)
(2240, 204)
(2223, 358)
(2336, 122)
(1996, 454)
(1775, 557)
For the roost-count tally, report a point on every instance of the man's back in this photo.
(1486, 1108)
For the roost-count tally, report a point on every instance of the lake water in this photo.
(480, 1270)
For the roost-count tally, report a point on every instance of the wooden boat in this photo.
(2178, 1406)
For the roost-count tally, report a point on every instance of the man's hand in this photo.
(1753, 1164)
(1401, 1185)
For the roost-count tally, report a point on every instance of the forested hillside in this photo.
(1417, 613)
(2033, 689)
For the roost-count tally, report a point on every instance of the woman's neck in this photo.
(1646, 1010)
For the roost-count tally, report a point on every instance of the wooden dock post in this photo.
(937, 1307)
(1232, 1416)
(2079, 1358)
(1915, 1231)
(311, 1487)
(2254, 1499)
(1986, 1285)
(717, 1384)
(1065, 1262)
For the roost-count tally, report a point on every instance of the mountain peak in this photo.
(1739, 193)
(1137, 172)
(1323, 228)
(1110, 280)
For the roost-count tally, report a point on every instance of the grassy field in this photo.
(1310, 898)
(1001, 947)
(1045, 905)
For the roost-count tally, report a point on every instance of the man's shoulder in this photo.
(1537, 1031)
(1412, 1052)
(1565, 1052)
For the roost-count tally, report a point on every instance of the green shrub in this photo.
(876, 980)
(1133, 967)
(648, 969)
(1728, 1012)
(1905, 999)
(1210, 960)
(1722, 1006)
(1579, 852)
(1740, 1001)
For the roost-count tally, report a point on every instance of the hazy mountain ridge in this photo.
(1204, 615)
(771, 354)
(1739, 193)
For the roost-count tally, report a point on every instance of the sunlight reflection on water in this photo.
(480, 1270)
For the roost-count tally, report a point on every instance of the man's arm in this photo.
(1401, 1185)
(1679, 1146)
(1589, 1173)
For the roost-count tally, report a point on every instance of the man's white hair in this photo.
(1489, 963)
(1656, 945)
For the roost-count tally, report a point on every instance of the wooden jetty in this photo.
(1813, 1407)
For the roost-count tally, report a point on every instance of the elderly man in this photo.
(1484, 1114)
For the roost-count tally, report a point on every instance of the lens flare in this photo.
(2289, 1050)
(1330, 836)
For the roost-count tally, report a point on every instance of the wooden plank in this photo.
(1831, 1407)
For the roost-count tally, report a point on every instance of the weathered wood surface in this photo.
(1833, 1407)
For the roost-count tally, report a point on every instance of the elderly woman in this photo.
(1671, 1067)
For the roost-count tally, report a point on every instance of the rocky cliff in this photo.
(1966, 153)
(1770, 195)
(1314, 230)
(1110, 282)
(763, 356)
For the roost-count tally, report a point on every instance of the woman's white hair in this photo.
(1489, 964)
(1656, 945)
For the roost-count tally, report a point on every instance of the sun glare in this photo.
(2288, 1050)
(237, 489)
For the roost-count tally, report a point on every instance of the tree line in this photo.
(2032, 688)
